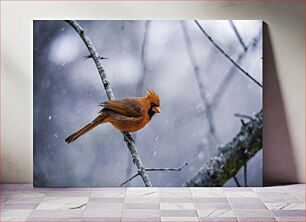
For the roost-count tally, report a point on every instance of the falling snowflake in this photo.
(55, 134)
(154, 154)
(50, 117)
(201, 156)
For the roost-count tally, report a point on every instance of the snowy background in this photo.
(67, 90)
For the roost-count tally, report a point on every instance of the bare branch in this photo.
(244, 116)
(90, 57)
(238, 35)
(201, 85)
(143, 55)
(231, 73)
(167, 169)
(226, 55)
(245, 175)
(231, 157)
(109, 92)
(155, 169)
(128, 180)
(236, 181)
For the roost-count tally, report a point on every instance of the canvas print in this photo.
(147, 103)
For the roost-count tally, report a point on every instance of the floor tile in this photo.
(216, 213)
(207, 192)
(25, 194)
(285, 206)
(20, 206)
(253, 219)
(141, 206)
(14, 214)
(55, 219)
(142, 200)
(57, 213)
(240, 194)
(175, 193)
(178, 213)
(142, 213)
(218, 219)
(213, 205)
(102, 219)
(68, 193)
(103, 213)
(108, 189)
(210, 200)
(25, 200)
(153, 204)
(62, 203)
(289, 213)
(291, 219)
(176, 200)
(106, 200)
(246, 200)
(179, 219)
(114, 206)
(253, 213)
(142, 193)
(177, 206)
(140, 219)
(109, 194)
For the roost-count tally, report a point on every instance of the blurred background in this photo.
(200, 91)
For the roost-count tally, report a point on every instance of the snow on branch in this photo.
(232, 156)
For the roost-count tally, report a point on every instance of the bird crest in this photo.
(154, 97)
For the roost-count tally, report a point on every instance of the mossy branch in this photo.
(231, 157)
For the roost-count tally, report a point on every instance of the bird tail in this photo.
(99, 120)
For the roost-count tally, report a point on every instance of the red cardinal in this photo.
(126, 115)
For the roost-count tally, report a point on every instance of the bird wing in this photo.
(131, 107)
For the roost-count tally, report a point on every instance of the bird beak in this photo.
(156, 109)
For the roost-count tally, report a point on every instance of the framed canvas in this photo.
(147, 103)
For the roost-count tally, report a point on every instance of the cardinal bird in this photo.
(126, 114)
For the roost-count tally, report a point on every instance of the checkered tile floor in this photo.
(22, 202)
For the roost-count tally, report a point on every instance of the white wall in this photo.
(284, 129)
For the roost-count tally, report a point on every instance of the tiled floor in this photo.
(22, 202)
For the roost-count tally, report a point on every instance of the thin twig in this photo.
(236, 181)
(201, 86)
(231, 73)
(167, 169)
(238, 35)
(143, 56)
(244, 116)
(90, 56)
(226, 55)
(128, 180)
(109, 92)
(155, 169)
(245, 175)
